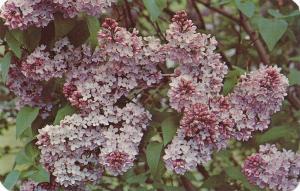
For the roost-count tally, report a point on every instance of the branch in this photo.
(248, 29)
(187, 184)
(203, 171)
(256, 40)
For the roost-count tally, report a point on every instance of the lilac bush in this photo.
(109, 110)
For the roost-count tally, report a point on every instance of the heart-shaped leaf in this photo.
(271, 30)
(247, 8)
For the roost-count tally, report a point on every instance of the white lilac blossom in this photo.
(44, 65)
(256, 97)
(123, 62)
(24, 13)
(77, 150)
(273, 169)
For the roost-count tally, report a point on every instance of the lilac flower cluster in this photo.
(122, 63)
(27, 76)
(24, 13)
(210, 119)
(77, 150)
(109, 127)
(256, 97)
(45, 65)
(30, 185)
(274, 169)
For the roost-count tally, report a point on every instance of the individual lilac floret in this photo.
(195, 54)
(273, 169)
(44, 65)
(256, 98)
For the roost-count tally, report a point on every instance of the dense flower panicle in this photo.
(123, 137)
(257, 96)
(183, 92)
(29, 92)
(209, 126)
(122, 63)
(274, 169)
(45, 65)
(76, 151)
(195, 54)
(70, 151)
(24, 13)
(183, 155)
(30, 185)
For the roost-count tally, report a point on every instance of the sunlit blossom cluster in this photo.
(272, 168)
(24, 13)
(209, 119)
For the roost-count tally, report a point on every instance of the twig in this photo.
(202, 24)
(132, 24)
(203, 171)
(257, 42)
(247, 27)
(187, 184)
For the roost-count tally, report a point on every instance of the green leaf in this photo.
(153, 154)
(22, 158)
(295, 59)
(272, 30)
(11, 179)
(31, 151)
(15, 40)
(235, 173)
(40, 175)
(214, 181)
(63, 26)
(94, 26)
(247, 8)
(62, 113)
(25, 118)
(153, 9)
(275, 133)
(32, 38)
(5, 63)
(137, 179)
(231, 79)
(294, 77)
(169, 128)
